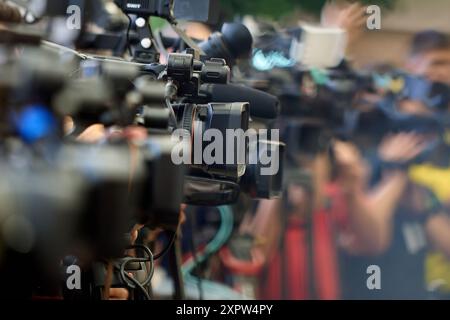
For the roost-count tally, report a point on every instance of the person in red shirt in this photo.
(321, 214)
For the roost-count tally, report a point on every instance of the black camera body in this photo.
(189, 73)
(192, 10)
(146, 8)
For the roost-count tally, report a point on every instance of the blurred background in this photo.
(401, 19)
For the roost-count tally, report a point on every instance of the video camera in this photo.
(194, 116)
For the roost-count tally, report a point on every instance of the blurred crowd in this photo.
(349, 225)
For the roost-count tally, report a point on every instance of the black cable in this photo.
(138, 285)
(196, 261)
(152, 37)
(173, 117)
(130, 21)
(166, 249)
(126, 278)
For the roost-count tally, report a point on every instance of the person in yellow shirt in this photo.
(437, 266)
(430, 57)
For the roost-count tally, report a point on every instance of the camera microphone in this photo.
(262, 104)
(233, 42)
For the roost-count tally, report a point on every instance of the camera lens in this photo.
(217, 133)
(264, 177)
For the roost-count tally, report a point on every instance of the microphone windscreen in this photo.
(262, 104)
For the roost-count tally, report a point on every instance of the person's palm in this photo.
(352, 169)
(350, 17)
(401, 147)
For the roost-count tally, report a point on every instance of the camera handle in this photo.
(145, 51)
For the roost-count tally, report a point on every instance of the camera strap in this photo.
(191, 43)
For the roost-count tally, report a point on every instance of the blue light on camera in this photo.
(267, 61)
(35, 122)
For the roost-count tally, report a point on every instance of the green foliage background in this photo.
(279, 8)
